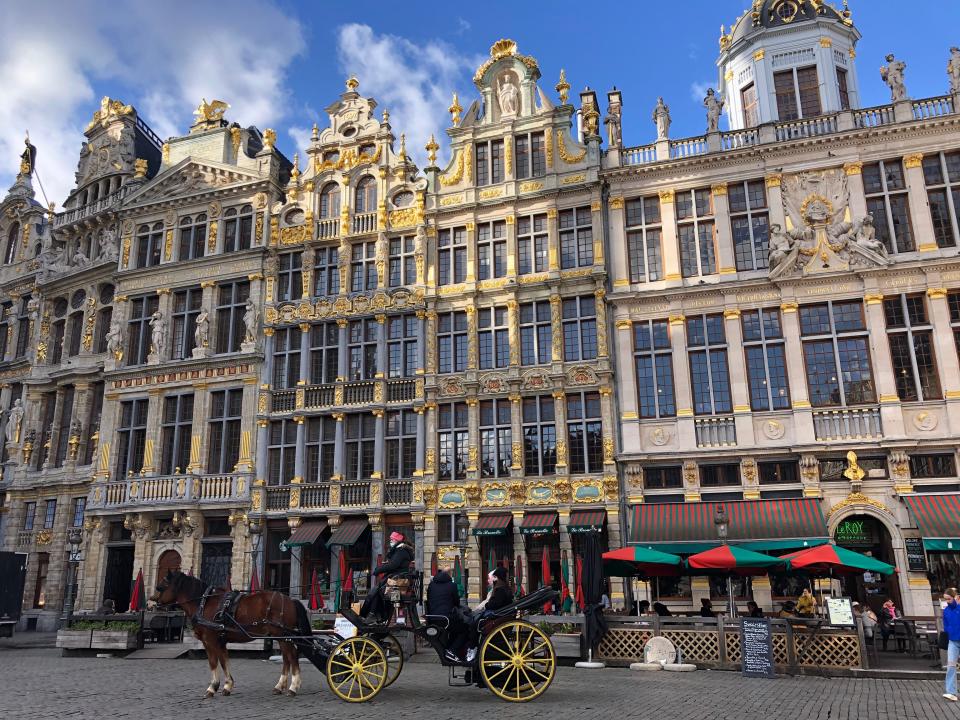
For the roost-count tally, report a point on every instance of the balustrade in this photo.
(716, 431)
(847, 424)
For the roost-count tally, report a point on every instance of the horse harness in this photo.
(223, 619)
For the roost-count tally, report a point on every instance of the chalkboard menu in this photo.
(756, 647)
(916, 559)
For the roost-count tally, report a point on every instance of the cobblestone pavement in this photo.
(38, 683)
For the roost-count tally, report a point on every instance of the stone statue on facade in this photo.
(14, 420)
(250, 322)
(865, 235)
(714, 103)
(508, 95)
(79, 259)
(892, 75)
(781, 246)
(108, 245)
(115, 340)
(201, 333)
(661, 117)
(953, 70)
(158, 335)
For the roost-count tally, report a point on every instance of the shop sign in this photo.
(854, 532)
(916, 558)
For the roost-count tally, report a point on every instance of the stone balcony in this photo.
(227, 490)
(109, 202)
(346, 394)
(371, 495)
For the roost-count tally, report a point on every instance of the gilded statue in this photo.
(14, 420)
(210, 111)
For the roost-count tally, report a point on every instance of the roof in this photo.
(783, 13)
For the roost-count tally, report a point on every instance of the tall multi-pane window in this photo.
(79, 508)
(57, 331)
(695, 231)
(403, 332)
(886, 191)
(530, 157)
(131, 436)
(532, 244)
(281, 452)
(751, 108)
(493, 338)
(843, 89)
(495, 438)
(536, 333)
(48, 407)
(663, 477)
(451, 255)
(63, 431)
(231, 306)
(539, 436)
(193, 236)
(324, 353)
(23, 327)
(289, 276)
(491, 250)
(326, 272)
(579, 328)
(584, 434)
(320, 448)
(453, 439)
(836, 351)
(910, 335)
(576, 237)
(941, 173)
(76, 333)
(363, 266)
(765, 351)
(186, 308)
(362, 349)
(654, 363)
(13, 241)
(709, 375)
(149, 243)
(953, 301)
(401, 439)
(286, 357)
(360, 435)
(6, 310)
(403, 266)
(452, 342)
(643, 239)
(29, 515)
(798, 93)
(226, 416)
(330, 201)
(138, 328)
(489, 159)
(237, 228)
(749, 224)
(49, 513)
(176, 425)
(366, 195)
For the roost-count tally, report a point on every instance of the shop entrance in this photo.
(867, 535)
(119, 576)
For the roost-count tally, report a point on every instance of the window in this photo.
(709, 377)
(453, 438)
(886, 191)
(835, 345)
(104, 319)
(176, 426)
(6, 310)
(320, 448)
(532, 244)
(29, 515)
(765, 351)
(941, 172)
(289, 276)
(48, 407)
(79, 508)
(366, 195)
(751, 108)
(910, 335)
(360, 438)
(286, 357)
(63, 431)
(58, 330)
(832, 469)
(362, 349)
(139, 337)
(933, 466)
(798, 93)
(489, 162)
(226, 414)
(576, 237)
(447, 528)
(237, 228)
(186, 309)
(452, 343)
(778, 473)
(330, 201)
(403, 267)
(695, 230)
(491, 250)
(49, 514)
(495, 438)
(403, 358)
(193, 237)
(131, 437)
(231, 306)
(663, 478)
(324, 353)
(76, 333)
(23, 327)
(953, 301)
(363, 266)
(539, 436)
(643, 239)
(40, 587)
(326, 272)
(401, 437)
(282, 452)
(584, 436)
(531, 160)
(719, 475)
(149, 242)
(451, 256)
(842, 89)
(654, 363)
(13, 239)
(493, 338)
(749, 224)
(580, 328)
(536, 333)
(94, 411)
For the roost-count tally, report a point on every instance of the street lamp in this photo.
(721, 521)
(463, 528)
(75, 539)
(256, 531)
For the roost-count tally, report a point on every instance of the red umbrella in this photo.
(433, 565)
(579, 571)
(254, 581)
(491, 560)
(565, 600)
(346, 573)
(138, 600)
(732, 559)
(546, 580)
(314, 603)
(379, 561)
(828, 559)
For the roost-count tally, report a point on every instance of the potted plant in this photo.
(115, 635)
(77, 636)
(564, 637)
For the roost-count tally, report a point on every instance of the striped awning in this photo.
(348, 532)
(539, 523)
(938, 517)
(756, 524)
(307, 533)
(582, 521)
(495, 524)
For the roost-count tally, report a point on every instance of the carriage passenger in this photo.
(399, 559)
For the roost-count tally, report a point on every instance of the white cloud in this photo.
(698, 91)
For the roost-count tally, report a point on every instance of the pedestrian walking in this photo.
(951, 626)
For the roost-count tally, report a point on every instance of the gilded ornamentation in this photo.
(608, 449)
(407, 217)
(562, 489)
(565, 155)
(294, 497)
(913, 161)
(610, 486)
(517, 456)
(499, 50)
(269, 139)
(531, 186)
(448, 179)
(139, 168)
(548, 148)
(857, 498)
(125, 254)
(748, 469)
(430, 461)
(556, 322)
(690, 473)
(518, 493)
(561, 453)
(109, 109)
(235, 137)
(455, 109)
(563, 87)
(212, 237)
(472, 457)
(508, 154)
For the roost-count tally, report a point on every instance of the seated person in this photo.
(753, 610)
(500, 596)
(399, 558)
(643, 607)
(660, 609)
(706, 608)
(788, 610)
(443, 599)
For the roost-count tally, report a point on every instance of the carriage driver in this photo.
(399, 559)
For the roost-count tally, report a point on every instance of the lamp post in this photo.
(256, 530)
(463, 528)
(721, 521)
(75, 539)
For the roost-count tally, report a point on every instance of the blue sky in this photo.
(280, 63)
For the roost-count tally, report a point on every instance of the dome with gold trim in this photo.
(782, 13)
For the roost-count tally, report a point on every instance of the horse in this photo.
(255, 615)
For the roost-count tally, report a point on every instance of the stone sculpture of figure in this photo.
(892, 75)
(714, 103)
(108, 245)
(661, 116)
(14, 419)
(866, 236)
(158, 333)
(953, 70)
(781, 245)
(79, 259)
(508, 95)
(250, 321)
(201, 332)
(115, 339)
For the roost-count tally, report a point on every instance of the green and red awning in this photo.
(539, 523)
(493, 524)
(635, 560)
(307, 533)
(832, 559)
(938, 517)
(731, 559)
(348, 532)
(582, 521)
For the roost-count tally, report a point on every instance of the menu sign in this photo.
(916, 558)
(840, 612)
(756, 647)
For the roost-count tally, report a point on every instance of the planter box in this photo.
(566, 645)
(113, 640)
(74, 639)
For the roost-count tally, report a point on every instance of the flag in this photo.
(314, 603)
(433, 564)
(580, 602)
(458, 576)
(254, 581)
(546, 580)
(138, 600)
(492, 561)
(566, 602)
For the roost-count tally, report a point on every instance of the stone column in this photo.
(596, 215)
(376, 538)
(797, 374)
(338, 449)
(199, 450)
(471, 336)
(627, 385)
(686, 433)
(214, 237)
(516, 432)
(883, 377)
(946, 353)
(430, 336)
(513, 309)
(471, 252)
(53, 434)
(342, 360)
(379, 443)
(430, 454)
(726, 257)
(560, 421)
(858, 201)
(250, 409)
(616, 232)
(775, 201)
(381, 347)
(473, 429)
(164, 306)
(307, 260)
(421, 441)
(300, 459)
(304, 361)
(90, 309)
(553, 241)
(511, 246)
(919, 203)
(669, 244)
(556, 326)
(739, 384)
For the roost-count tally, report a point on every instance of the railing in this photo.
(151, 135)
(24, 538)
(115, 494)
(398, 492)
(328, 228)
(873, 117)
(812, 127)
(933, 107)
(401, 390)
(104, 203)
(639, 155)
(354, 494)
(284, 401)
(716, 431)
(214, 487)
(354, 393)
(172, 490)
(364, 222)
(688, 147)
(314, 496)
(358, 393)
(319, 396)
(736, 139)
(847, 424)
(278, 498)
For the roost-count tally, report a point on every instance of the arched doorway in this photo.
(169, 560)
(868, 535)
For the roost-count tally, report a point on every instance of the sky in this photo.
(279, 63)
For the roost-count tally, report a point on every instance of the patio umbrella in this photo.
(314, 603)
(594, 623)
(254, 581)
(518, 576)
(579, 570)
(635, 560)
(138, 598)
(433, 564)
(545, 579)
(458, 576)
(566, 602)
(830, 559)
(727, 559)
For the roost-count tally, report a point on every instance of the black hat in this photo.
(500, 572)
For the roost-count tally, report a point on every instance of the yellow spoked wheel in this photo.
(357, 669)
(517, 661)
(391, 646)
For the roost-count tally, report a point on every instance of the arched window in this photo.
(238, 228)
(193, 237)
(12, 238)
(366, 195)
(88, 246)
(149, 242)
(330, 201)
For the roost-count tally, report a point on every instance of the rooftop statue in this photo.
(953, 70)
(714, 103)
(661, 116)
(892, 75)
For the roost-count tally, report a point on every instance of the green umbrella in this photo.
(830, 559)
(635, 560)
(565, 583)
(458, 576)
(732, 559)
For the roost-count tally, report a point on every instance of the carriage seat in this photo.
(441, 621)
(534, 599)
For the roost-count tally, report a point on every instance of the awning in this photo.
(582, 521)
(538, 523)
(488, 525)
(347, 532)
(753, 524)
(938, 517)
(307, 533)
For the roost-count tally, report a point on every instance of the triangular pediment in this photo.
(190, 177)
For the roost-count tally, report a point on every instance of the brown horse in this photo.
(255, 615)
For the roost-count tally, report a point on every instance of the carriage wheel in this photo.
(517, 661)
(357, 669)
(391, 646)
